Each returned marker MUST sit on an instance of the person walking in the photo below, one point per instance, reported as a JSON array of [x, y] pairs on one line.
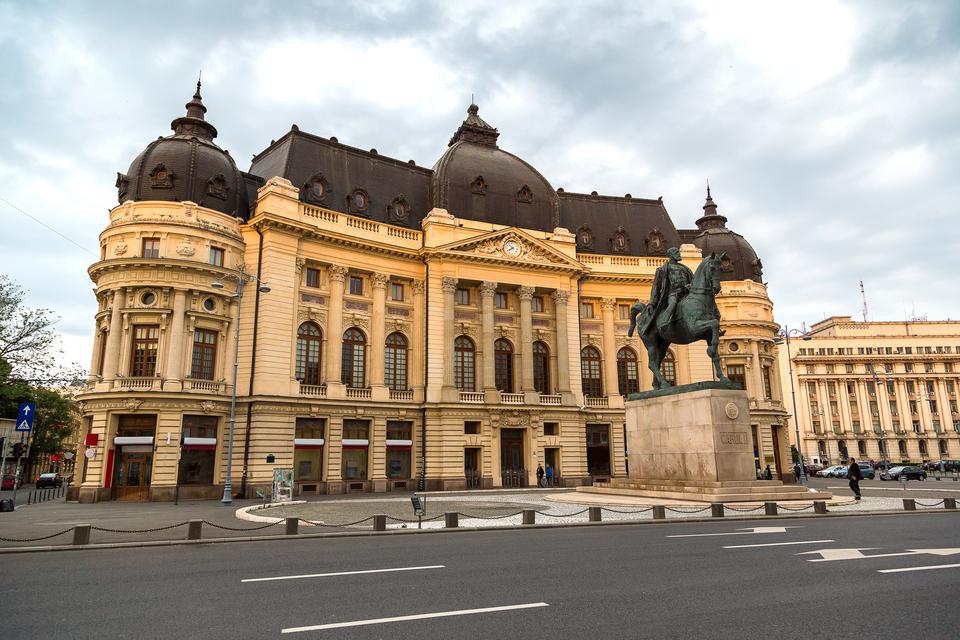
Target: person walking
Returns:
[[539, 475], [854, 476], [549, 476]]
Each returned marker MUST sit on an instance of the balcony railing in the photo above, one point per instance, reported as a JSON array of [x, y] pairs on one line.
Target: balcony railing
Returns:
[[511, 398], [474, 397], [405, 394], [359, 393], [315, 390], [551, 400], [137, 383], [210, 386], [598, 402]]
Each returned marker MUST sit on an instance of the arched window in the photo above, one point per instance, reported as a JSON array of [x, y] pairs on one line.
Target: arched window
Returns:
[[395, 362], [944, 448], [463, 358], [627, 371], [668, 367], [353, 358], [503, 365], [902, 444], [822, 448], [861, 448], [842, 448], [923, 448], [541, 368], [308, 353], [590, 372]]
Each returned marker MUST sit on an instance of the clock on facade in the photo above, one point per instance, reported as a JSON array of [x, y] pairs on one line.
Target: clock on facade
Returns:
[[512, 248]]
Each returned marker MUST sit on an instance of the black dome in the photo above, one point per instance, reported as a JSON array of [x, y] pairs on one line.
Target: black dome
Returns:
[[741, 261], [187, 166]]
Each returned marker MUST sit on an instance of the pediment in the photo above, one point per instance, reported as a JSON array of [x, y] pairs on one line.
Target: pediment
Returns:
[[510, 245]]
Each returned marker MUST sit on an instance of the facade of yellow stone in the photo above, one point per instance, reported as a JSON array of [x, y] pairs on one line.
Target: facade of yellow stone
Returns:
[[882, 391], [448, 350]]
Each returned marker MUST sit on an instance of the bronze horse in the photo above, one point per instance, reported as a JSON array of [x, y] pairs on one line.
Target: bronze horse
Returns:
[[696, 318]]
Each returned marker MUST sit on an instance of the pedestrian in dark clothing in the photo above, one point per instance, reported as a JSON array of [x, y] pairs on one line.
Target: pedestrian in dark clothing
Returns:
[[539, 475], [854, 476]]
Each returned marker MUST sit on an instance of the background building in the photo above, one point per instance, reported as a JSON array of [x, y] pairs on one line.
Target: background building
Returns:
[[877, 390], [450, 327]]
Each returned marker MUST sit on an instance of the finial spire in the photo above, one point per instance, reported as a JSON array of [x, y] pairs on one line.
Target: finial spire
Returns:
[[711, 219], [708, 189], [193, 123]]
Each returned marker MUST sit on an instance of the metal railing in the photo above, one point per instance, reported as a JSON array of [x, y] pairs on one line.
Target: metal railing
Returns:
[[513, 478]]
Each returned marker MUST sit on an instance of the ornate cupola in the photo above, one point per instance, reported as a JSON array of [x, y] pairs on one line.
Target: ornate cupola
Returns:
[[193, 124], [475, 129], [711, 219], [740, 261]]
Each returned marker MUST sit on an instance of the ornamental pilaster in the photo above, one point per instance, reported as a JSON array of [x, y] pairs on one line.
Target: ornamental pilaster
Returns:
[[525, 293], [487, 293], [607, 305]]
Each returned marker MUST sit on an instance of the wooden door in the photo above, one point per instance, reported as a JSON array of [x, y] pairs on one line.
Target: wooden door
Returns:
[[133, 476]]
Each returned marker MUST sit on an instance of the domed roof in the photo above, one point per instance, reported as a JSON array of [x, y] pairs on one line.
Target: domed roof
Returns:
[[476, 179], [187, 166], [741, 261]]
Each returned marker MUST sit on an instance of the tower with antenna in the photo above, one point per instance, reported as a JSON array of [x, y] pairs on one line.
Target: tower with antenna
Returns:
[[863, 296]]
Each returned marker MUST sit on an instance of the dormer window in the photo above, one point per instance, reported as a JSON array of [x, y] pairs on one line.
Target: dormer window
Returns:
[[479, 186], [398, 209], [620, 243], [316, 189], [217, 187], [584, 237], [161, 177], [358, 201], [525, 195]]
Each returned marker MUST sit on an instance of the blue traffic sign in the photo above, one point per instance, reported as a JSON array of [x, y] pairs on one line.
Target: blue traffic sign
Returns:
[[25, 416]]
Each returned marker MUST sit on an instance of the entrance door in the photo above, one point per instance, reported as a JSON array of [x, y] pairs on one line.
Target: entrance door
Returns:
[[776, 450], [598, 449], [471, 467], [133, 476], [511, 458]]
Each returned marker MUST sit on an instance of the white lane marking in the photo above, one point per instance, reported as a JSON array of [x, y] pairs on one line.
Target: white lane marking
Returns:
[[776, 544], [933, 566], [830, 555], [419, 616], [343, 573], [739, 532]]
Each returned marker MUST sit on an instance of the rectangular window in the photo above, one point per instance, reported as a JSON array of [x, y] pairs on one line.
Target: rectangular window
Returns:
[[356, 285], [551, 428], [354, 465], [308, 458], [767, 388], [398, 455], [216, 256], [204, 354], [738, 375], [948, 367], [143, 359], [586, 309], [928, 367], [313, 277], [197, 460], [537, 304], [623, 311], [463, 296], [829, 368], [500, 300], [849, 368], [310, 428], [151, 248], [356, 429], [911, 387], [891, 387], [908, 367], [399, 430], [396, 292], [471, 427], [832, 388]]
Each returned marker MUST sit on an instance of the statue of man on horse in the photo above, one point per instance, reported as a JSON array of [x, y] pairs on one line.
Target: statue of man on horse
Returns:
[[682, 310]]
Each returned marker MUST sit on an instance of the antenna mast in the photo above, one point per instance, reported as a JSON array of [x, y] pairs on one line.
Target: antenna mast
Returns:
[[863, 296]]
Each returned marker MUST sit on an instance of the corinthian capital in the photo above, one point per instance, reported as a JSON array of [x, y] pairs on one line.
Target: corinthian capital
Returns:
[[379, 280], [525, 292], [560, 296], [608, 304], [449, 284], [337, 273], [487, 289]]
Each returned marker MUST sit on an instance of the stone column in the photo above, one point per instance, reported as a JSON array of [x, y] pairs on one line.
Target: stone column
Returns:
[[415, 373], [449, 286], [757, 376], [377, 337], [560, 299], [608, 305], [111, 355], [175, 344], [334, 331], [526, 345], [488, 380]]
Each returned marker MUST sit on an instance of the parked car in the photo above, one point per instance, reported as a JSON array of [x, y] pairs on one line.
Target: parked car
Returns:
[[829, 471], [8, 481], [910, 473], [49, 480], [812, 469], [867, 470]]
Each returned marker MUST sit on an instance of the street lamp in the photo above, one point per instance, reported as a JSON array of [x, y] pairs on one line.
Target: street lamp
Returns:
[[785, 333], [241, 278]]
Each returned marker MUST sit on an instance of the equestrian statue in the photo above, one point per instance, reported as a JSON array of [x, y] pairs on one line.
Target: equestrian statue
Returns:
[[682, 310]]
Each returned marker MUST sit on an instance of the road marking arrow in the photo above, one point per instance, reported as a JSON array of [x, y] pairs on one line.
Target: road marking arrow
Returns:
[[738, 532], [831, 555]]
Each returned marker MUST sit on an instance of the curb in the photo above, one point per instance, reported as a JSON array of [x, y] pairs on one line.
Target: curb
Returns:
[[402, 532]]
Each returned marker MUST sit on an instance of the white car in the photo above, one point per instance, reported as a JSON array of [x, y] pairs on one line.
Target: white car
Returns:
[[829, 472]]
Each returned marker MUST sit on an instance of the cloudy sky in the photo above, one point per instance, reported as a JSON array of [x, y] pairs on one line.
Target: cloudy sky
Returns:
[[828, 130]]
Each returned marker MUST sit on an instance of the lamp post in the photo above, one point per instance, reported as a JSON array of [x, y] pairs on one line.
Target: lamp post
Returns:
[[241, 278], [785, 333]]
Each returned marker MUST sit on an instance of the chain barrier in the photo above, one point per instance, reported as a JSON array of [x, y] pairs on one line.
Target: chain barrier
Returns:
[[108, 530], [921, 504], [561, 515], [404, 520], [687, 510], [335, 526], [786, 508], [622, 511], [745, 510], [509, 515], [226, 528], [52, 535]]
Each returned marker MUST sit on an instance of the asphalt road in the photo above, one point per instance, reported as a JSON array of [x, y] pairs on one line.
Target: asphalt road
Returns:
[[877, 488], [630, 581]]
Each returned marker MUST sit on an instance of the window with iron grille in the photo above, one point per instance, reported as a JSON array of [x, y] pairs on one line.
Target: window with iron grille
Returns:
[[541, 368], [146, 342], [590, 372], [627, 380], [352, 358], [309, 341], [463, 359], [204, 354], [503, 365], [395, 362]]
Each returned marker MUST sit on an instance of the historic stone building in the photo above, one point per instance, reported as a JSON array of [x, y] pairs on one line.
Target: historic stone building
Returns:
[[877, 390], [400, 326]]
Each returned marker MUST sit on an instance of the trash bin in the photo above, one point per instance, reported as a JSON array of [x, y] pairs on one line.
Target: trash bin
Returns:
[[6, 504]]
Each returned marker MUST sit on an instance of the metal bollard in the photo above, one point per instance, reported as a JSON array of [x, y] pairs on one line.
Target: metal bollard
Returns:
[[194, 529], [819, 506], [451, 519], [949, 503], [81, 534], [770, 508], [292, 526], [595, 514], [529, 516], [716, 510], [659, 512], [909, 504], [380, 522]]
